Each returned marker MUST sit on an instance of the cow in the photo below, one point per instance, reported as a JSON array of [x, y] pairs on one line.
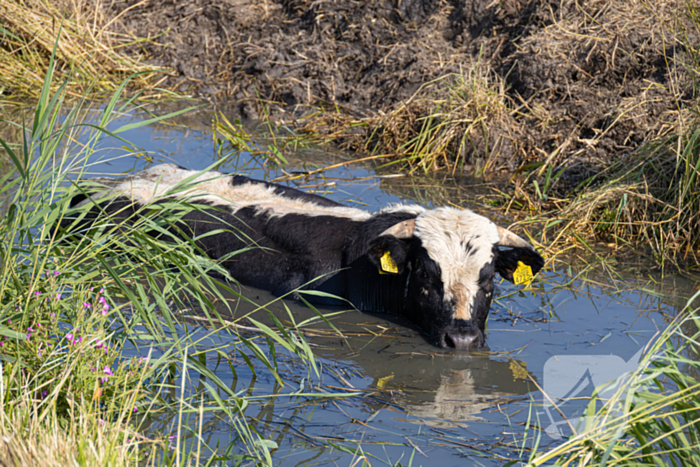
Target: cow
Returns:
[[435, 267]]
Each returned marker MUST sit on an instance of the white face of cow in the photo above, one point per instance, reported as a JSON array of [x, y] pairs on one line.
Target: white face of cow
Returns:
[[452, 256], [461, 243]]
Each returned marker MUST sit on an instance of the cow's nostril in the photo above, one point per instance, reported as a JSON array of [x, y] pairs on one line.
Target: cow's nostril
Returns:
[[463, 339]]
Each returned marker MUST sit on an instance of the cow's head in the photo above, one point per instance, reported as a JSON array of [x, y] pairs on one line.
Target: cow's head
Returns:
[[449, 258]]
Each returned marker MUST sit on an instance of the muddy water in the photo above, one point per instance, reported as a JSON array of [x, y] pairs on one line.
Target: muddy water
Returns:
[[564, 334]]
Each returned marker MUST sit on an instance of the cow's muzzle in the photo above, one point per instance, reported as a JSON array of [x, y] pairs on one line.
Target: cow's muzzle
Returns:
[[463, 339]]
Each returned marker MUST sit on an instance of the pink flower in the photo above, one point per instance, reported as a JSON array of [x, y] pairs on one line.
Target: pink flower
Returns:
[[70, 338], [30, 329], [86, 304], [37, 293], [108, 371], [58, 296], [56, 273]]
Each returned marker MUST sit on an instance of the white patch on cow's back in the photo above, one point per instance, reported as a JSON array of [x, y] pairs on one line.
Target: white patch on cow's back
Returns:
[[167, 181], [414, 209], [445, 233]]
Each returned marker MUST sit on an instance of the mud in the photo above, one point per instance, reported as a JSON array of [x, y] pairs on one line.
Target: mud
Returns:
[[583, 82]]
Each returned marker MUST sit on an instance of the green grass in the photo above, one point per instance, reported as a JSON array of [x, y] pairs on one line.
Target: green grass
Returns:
[[72, 299]]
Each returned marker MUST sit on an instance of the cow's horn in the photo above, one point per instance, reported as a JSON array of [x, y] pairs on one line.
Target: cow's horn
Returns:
[[401, 230], [508, 238]]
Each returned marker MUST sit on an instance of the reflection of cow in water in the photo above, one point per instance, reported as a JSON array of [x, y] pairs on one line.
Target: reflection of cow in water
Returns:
[[440, 389], [434, 266], [567, 377], [462, 394]]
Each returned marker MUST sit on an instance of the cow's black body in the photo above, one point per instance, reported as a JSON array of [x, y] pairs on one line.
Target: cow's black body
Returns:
[[333, 249]]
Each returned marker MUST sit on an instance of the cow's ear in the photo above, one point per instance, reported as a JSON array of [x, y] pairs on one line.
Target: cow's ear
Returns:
[[507, 261], [388, 254]]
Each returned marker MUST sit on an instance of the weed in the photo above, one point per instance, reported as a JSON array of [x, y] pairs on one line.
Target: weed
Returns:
[[651, 419], [74, 295]]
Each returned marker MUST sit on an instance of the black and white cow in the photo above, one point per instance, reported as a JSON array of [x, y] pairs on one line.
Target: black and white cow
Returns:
[[441, 262]]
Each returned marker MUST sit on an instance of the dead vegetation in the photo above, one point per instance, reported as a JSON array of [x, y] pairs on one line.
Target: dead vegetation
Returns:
[[85, 46], [488, 86], [582, 110]]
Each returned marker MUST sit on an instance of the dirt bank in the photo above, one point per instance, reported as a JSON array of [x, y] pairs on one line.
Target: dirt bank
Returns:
[[576, 83]]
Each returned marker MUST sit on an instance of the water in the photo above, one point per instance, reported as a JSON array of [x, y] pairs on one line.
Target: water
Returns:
[[562, 334]]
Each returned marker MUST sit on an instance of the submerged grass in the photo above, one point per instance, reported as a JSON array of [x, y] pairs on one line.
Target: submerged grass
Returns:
[[73, 300]]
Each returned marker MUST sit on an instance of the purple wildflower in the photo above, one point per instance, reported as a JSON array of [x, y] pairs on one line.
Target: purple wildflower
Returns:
[[56, 273], [37, 293], [58, 296], [86, 304], [70, 338], [108, 371]]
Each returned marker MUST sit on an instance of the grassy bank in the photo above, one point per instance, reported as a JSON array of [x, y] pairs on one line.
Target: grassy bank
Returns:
[[87, 49], [566, 197], [72, 301], [554, 172]]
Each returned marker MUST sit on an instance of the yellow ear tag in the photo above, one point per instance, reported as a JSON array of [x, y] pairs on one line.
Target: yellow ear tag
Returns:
[[522, 274], [388, 264]]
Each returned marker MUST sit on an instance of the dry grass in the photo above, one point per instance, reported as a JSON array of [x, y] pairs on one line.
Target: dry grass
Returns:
[[458, 121], [462, 121], [26, 440], [85, 47]]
